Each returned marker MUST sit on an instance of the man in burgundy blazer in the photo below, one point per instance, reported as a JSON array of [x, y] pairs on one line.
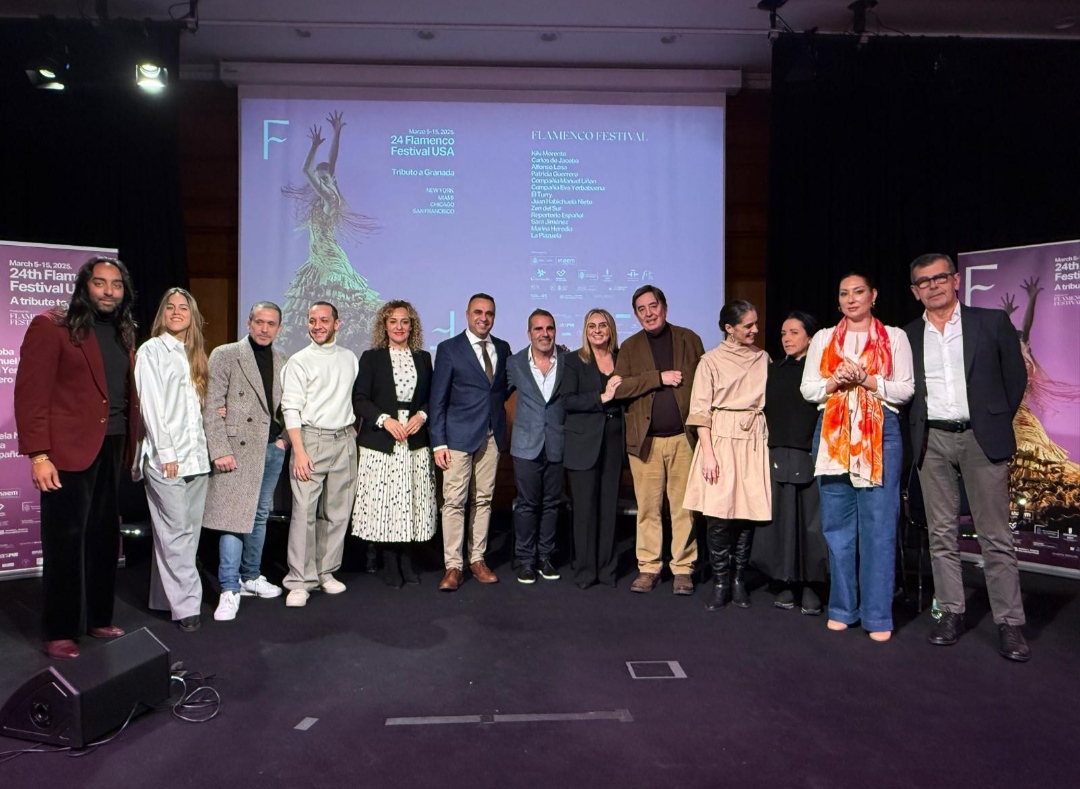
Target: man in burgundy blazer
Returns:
[[77, 414]]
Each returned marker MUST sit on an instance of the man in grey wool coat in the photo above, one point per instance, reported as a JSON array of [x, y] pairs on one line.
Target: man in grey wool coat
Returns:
[[247, 448]]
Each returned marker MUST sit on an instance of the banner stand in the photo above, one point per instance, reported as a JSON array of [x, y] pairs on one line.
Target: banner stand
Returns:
[[1039, 288], [39, 277]]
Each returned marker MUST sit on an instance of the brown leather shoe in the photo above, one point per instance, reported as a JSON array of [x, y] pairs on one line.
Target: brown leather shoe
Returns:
[[109, 631], [62, 649], [482, 573], [645, 582], [451, 581], [682, 584]]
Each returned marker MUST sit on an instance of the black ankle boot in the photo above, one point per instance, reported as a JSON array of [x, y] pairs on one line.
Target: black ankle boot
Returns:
[[408, 571], [391, 569], [739, 596], [721, 596], [718, 540]]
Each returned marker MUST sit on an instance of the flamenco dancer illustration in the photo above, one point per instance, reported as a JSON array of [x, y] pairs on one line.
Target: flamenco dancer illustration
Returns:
[[327, 275], [1041, 471]]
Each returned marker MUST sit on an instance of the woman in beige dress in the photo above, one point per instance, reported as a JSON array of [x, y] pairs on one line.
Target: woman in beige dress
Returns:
[[729, 476]]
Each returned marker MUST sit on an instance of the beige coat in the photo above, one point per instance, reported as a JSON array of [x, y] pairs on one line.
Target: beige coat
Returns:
[[235, 383], [728, 397]]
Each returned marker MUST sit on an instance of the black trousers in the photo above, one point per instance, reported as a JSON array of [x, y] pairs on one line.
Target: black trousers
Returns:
[[80, 545], [595, 492], [536, 511]]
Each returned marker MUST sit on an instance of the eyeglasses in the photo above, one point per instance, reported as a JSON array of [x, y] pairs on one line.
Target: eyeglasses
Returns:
[[922, 283]]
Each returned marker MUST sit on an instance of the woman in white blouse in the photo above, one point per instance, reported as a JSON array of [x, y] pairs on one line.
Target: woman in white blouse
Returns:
[[860, 372], [171, 375]]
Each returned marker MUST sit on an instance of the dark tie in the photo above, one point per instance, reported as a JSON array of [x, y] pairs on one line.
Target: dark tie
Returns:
[[489, 371]]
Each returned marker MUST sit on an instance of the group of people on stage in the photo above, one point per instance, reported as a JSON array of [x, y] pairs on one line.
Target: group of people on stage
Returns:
[[795, 465]]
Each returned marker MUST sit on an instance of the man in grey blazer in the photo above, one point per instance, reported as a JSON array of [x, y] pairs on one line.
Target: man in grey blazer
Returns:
[[536, 446], [969, 381], [247, 448]]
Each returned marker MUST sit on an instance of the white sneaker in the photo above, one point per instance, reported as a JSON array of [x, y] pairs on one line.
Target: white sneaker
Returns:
[[297, 598], [260, 587], [227, 606], [333, 586]]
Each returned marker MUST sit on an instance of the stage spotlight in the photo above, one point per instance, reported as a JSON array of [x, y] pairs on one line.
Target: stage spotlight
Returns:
[[48, 73], [151, 77]]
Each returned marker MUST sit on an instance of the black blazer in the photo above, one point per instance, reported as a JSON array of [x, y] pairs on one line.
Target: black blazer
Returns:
[[585, 416], [996, 380], [374, 394]]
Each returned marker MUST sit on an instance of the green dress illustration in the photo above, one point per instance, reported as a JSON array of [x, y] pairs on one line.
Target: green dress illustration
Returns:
[[327, 275]]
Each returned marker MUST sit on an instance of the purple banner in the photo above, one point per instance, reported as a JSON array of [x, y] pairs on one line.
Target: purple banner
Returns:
[[1039, 286], [40, 277]]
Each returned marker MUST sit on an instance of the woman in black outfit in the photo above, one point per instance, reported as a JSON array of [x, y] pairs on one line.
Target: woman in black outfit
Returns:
[[594, 450], [792, 550]]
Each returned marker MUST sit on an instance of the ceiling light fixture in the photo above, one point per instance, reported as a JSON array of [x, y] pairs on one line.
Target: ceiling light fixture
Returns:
[[858, 10], [48, 73], [151, 77], [772, 6]]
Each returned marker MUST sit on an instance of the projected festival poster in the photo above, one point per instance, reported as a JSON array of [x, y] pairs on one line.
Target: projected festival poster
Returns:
[[563, 207], [1039, 287], [39, 277]]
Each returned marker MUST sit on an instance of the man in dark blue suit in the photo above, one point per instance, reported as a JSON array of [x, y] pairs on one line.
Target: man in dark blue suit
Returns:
[[468, 431], [969, 380], [537, 448]]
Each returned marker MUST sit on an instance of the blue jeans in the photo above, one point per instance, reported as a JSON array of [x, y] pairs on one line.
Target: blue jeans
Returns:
[[860, 529], [241, 554]]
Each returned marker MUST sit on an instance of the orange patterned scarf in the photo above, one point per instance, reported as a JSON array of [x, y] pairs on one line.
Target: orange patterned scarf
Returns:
[[852, 425]]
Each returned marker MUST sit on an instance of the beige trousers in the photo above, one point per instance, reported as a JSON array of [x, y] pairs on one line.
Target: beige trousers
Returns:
[[321, 507], [665, 470], [469, 476]]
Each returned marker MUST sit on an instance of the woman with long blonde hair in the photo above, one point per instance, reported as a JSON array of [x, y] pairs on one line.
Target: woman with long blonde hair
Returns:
[[594, 448], [171, 375]]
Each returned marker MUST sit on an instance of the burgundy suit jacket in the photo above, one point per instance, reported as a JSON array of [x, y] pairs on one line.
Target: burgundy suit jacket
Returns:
[[62, 398]]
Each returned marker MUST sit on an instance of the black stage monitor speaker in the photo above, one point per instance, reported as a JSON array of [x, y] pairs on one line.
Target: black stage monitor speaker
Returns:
[[78, 702]]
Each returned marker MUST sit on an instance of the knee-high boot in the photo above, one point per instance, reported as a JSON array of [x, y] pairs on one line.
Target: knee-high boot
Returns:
[[718, 539], [408, 570], [741, 551], [391, 569]]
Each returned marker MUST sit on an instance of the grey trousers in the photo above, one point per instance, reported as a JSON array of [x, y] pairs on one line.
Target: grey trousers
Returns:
[[321, 507], [176, 510], [987, 484]]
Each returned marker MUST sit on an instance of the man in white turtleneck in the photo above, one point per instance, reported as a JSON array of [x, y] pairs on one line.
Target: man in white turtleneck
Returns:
[[316, 400]]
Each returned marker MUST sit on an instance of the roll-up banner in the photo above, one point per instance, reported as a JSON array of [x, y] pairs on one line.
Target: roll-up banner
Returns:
[[1039, 287], [39, 277]]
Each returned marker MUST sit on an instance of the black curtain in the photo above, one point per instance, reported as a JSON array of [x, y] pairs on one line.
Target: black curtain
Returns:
[[96, 164], [902, 146]]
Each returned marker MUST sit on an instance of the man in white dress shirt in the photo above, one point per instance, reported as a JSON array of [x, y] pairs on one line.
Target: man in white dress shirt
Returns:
[[536, 445], [969, 381], [468, 431], [316, 401]]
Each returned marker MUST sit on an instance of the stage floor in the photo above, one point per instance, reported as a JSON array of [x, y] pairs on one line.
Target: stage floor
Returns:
[[507, 685]]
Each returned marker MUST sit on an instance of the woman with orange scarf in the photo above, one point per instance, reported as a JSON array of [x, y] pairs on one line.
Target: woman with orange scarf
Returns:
[[860, 372]]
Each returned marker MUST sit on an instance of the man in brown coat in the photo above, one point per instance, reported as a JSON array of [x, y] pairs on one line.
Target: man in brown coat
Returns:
[[247, 448], [657, 369]]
